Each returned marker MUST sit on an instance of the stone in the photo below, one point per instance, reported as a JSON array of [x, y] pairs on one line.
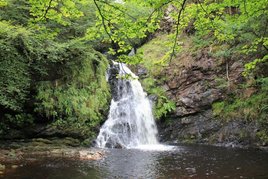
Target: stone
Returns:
[[186, 121], [2, 167], [89, 155], [42, 140], [141, 71], [14, 166]]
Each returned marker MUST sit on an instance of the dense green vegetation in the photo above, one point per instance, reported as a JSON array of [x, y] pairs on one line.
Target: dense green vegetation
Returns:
[[48, 73], [50, 69]]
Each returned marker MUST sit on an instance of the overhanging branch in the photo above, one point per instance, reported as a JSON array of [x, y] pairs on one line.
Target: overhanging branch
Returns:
[[177, 30], [103, 20]]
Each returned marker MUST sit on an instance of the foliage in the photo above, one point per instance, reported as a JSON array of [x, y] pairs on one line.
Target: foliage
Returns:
[[154, 59], [122, 24], [153, 54], [263, 136], [162, 105], [58, 11], [251, 66], [19, 120], [14, 71], [254, 107], [81, 94], [39, 64], [15, 11]]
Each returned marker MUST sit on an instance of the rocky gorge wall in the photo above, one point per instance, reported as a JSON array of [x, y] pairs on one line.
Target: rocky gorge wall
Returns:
[[195, 83], [203, 128], [194, 80]]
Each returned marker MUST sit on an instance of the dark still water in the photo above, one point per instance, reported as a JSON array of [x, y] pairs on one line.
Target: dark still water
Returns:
[[184, 162]]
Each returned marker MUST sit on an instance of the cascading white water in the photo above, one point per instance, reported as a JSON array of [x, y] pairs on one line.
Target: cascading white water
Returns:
[[130, 122]]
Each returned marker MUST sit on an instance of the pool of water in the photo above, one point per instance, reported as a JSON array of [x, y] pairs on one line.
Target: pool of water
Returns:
[[191, 161]]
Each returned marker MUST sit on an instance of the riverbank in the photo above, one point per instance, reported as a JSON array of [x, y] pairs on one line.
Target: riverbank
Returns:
[[16, 153]]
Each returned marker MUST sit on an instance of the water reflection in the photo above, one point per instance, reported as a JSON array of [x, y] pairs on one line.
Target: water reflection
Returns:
[[130, 163], [185, 162]]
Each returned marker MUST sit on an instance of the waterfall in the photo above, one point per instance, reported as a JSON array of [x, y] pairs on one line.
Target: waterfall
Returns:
[[130, 122]]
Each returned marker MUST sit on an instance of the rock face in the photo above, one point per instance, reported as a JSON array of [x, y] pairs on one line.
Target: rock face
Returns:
[[194, 82], [113, 81], [203, 128]]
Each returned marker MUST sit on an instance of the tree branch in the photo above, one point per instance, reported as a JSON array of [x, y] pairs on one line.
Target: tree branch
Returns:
[[245, 7], [117, 8], [47, 9], [177, 30], [155, 10], [103, 20]]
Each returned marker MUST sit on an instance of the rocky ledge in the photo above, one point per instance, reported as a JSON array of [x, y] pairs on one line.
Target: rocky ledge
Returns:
[[204, 128], [14, 153]]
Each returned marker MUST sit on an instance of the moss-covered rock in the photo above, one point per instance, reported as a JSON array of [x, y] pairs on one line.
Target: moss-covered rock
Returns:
[[2, 167]]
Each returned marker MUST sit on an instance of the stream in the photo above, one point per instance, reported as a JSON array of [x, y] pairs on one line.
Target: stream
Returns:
[[185, 161]]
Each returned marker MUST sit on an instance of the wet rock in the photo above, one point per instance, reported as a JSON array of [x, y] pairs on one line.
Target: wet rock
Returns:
[[14, 166], [203, 128], [42, 141], [71, 142], [118, 146], [89, 155], [32, 149], [81, 154], [113, 81], [2, 167], [11, 155], [141, 72]]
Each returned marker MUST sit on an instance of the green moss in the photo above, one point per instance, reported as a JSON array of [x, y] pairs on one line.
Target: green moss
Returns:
[[81, 96], [14, 71], [254, 107], [189, 139], [263, 137], [162, 105], [154, 54]]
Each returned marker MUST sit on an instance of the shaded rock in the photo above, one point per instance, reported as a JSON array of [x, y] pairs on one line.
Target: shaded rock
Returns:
[[2, 167], [42, 140], [193, 81], [10, 155], [203, 128], [32, 149], [71, 142], [141, 71]]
